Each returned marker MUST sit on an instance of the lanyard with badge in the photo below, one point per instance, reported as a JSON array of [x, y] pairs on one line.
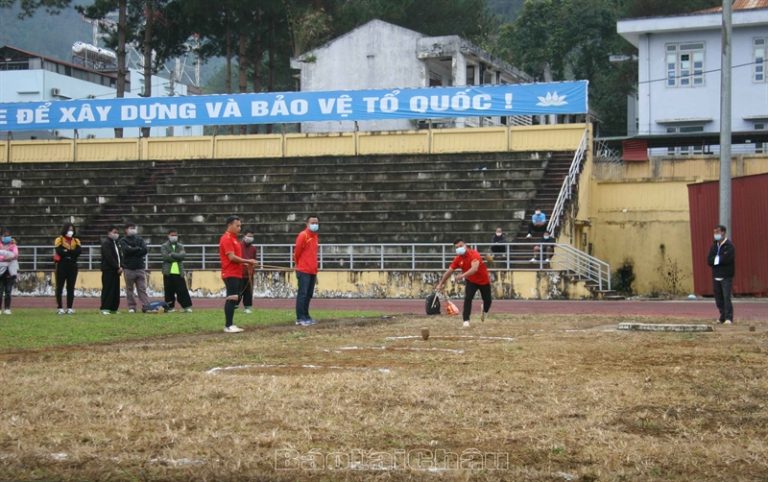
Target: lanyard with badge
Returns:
[[717, 256]]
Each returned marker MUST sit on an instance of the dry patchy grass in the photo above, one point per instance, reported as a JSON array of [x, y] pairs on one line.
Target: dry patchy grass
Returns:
[[568, 398]]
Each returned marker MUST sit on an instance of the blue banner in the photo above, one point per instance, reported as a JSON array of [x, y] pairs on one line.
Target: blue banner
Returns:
[[289, 107]]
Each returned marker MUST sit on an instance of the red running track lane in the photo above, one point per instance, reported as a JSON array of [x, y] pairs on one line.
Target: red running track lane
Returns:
[[745, 309]]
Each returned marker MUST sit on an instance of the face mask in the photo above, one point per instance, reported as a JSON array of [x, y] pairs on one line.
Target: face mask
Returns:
[[7, 240], [70, 233], [537, 212], [173, 239], [248, 240], [546, 237], [314, 227], [718, 237], [113, 236], [461, 250], [132, 232], [498, 233]]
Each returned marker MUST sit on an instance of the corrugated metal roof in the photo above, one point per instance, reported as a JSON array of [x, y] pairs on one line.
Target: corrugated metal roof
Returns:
[[740, 5]]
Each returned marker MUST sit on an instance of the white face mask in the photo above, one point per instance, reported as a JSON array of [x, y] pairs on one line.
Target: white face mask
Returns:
[[132, 232], [718, 237], [314, 227], [113, 236], [70, 233], [173, 239], [248, 240], [461, 250]]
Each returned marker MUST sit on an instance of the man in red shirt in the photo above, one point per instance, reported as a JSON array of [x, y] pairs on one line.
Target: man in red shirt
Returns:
[[305, 257], [475, 273], [230, 253]]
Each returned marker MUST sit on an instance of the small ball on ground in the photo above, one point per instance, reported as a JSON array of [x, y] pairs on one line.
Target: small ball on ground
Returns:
[[425, 334], [751, 327]]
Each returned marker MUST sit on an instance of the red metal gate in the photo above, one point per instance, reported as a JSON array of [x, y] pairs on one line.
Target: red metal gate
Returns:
[[749, 232]]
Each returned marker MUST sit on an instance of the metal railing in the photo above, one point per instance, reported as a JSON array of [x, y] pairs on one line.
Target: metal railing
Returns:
[[566, 191], [534, 255]]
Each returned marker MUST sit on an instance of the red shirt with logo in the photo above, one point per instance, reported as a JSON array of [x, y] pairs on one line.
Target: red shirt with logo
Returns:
[[305, 252], [465, 264], [228, 243]]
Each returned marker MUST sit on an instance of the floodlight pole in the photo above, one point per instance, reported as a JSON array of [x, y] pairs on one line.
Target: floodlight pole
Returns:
[[725, 119]]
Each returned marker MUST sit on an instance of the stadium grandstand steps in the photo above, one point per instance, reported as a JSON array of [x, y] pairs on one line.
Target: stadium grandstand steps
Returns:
[[377, 199]]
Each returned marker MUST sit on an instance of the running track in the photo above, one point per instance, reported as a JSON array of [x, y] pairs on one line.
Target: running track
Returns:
[[744, 309]]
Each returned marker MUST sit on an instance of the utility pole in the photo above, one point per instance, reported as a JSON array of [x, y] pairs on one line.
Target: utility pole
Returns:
[[725, 119]]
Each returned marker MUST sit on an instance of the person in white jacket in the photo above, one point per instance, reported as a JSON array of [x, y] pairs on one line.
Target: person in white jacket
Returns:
[[9, 268]]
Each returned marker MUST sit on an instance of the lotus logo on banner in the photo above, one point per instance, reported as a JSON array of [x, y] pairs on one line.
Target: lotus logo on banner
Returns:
[[293, 107], [552, 99]]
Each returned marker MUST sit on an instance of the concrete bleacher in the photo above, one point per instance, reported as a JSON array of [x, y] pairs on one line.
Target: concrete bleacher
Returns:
[[373, 199]]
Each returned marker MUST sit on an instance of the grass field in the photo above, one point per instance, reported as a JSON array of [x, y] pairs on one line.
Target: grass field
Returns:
[[546, 398]]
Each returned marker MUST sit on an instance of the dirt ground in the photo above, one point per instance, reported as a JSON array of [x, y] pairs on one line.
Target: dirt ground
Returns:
[[544, 397]]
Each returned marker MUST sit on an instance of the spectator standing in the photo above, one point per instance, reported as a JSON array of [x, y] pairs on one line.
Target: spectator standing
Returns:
[[67, 249], [305, 257], [249, 252], [231, 256], [475, 273], [134, 249], [9, 269], [722, 259], [174, 283], [538, 223], [111, 269]]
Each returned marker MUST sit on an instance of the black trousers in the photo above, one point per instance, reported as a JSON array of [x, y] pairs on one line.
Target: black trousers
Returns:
[[232, 286], [723, 290], [110, 290], [469, 295], [304, 295], [246, 288], [6, 288], [175, 287], [66, 274]]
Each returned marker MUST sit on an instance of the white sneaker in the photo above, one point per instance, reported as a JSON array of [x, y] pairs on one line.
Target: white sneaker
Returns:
[[60, 311], [6, 312], [533, 260], [70, 311], [465, 325], [546, 260], [728, 322], [171, 310], [528, 235], [187, 310], [248, 310], [131, 310], [106, 312], [233, 329]]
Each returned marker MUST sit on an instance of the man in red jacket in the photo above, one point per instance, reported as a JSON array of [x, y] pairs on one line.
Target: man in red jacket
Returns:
[[474, 273], [231, 256], [305, 257]]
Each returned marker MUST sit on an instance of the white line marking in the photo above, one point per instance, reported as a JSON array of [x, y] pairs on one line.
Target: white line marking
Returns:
[[503, 338], [396, 348], [215, 370]]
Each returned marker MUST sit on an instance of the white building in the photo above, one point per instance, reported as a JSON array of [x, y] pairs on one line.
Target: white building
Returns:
[[29, 77], [679, 59], [380, 55]]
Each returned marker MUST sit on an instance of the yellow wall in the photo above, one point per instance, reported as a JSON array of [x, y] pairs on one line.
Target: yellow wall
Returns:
[[639, 212], [436, 141], [369, 284], [3, 151]]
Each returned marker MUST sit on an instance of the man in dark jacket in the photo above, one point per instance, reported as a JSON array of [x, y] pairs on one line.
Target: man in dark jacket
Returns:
[[111, 269], [722, 259], [134, 249], [174, 283]]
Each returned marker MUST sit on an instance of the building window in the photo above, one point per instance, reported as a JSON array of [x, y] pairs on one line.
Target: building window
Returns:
[[685, 64], [759, 46], [687, 150], [761, 147]]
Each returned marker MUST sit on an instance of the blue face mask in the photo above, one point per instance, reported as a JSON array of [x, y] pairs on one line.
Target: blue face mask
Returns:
[[7, 239], [718, 237], [461, 250], [314, 227]]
